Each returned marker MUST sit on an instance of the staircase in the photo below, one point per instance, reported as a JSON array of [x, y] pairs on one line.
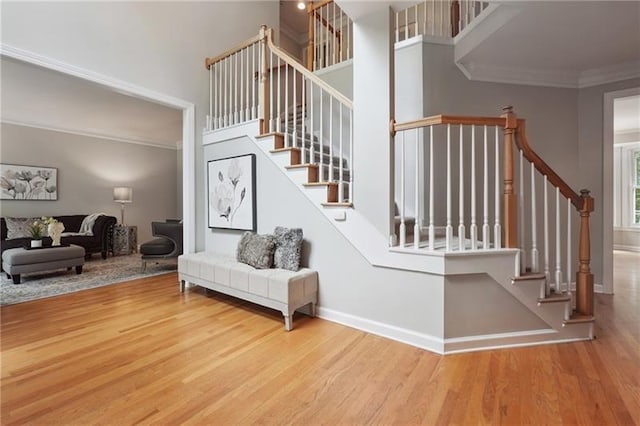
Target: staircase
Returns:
[[305, 127]]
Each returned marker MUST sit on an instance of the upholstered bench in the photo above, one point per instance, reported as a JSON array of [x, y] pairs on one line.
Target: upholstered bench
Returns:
[[278, 289], [18, 261]]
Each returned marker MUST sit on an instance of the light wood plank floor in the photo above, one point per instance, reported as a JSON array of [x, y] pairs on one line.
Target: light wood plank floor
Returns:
[[140, 352]]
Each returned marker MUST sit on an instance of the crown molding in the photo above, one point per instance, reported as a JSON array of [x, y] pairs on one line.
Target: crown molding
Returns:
[[104, 80], [609, 74], [527, 76], [96, 135]]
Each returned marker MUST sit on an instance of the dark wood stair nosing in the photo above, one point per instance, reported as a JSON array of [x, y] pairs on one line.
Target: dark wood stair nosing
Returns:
[[338, 204]]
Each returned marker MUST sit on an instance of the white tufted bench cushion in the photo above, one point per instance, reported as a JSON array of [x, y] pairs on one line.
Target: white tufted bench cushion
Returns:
[[278, 289]]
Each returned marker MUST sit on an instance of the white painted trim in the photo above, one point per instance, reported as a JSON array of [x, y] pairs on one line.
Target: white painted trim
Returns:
[[232, 132], [409, 337], [521, 76], [188, 123], [607, 182], [623, 247], [504, 341], [334, 67], [110, 138], [609, 74], [419, 39]]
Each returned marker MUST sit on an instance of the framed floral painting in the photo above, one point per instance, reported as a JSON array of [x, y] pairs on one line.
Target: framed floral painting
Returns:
[[28, 183], [231, 188]]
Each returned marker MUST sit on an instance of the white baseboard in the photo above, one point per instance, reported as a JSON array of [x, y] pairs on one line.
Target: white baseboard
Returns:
[[505, 340], [420, 340]]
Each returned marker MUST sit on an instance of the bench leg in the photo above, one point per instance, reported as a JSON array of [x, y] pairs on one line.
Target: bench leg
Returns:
[[313, 310], [16, 278], [182, 286], [287, 321], [79, 269]]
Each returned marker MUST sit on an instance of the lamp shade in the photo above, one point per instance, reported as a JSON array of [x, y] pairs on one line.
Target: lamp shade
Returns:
[[122, 194]]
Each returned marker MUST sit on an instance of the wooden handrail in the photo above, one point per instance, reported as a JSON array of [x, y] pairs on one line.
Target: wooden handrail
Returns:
[[210, 61], [305, 72], [446, 119], [318, 5], [544, 168]]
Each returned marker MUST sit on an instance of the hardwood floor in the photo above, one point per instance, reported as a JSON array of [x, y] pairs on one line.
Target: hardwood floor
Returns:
[[140, 352]]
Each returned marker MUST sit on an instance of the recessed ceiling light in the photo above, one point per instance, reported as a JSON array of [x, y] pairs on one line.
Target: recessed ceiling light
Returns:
[[301, 5]]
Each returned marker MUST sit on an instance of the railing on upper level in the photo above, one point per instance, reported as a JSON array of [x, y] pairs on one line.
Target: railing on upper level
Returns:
[[330, 35], [259, 81], [461, 170], [437, 18]]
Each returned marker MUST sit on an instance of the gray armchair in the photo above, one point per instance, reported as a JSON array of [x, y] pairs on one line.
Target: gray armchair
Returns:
[[167, 244]]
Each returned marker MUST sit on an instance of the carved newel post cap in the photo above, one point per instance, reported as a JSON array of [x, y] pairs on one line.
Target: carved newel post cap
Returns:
[[507, 108], [584, 192]]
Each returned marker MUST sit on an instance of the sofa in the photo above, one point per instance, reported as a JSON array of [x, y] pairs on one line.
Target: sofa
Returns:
[[99, 242]]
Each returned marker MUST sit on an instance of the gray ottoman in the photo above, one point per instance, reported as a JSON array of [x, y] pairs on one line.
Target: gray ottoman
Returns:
[[18, 260]]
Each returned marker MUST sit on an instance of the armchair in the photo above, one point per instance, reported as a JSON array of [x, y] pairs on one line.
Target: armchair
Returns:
[[167, 244]]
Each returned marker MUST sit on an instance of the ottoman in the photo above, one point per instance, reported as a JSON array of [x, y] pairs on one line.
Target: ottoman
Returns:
[[19, 260]]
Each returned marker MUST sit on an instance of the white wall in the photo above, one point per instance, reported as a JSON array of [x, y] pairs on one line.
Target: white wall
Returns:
[[349, 285], [88, 169], [157, 45]]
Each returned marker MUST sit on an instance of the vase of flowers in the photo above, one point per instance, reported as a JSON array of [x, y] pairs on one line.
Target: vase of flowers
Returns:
[[36, 229], [54, 228]]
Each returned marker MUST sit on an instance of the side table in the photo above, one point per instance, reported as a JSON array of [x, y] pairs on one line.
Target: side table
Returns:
[[125, 240]]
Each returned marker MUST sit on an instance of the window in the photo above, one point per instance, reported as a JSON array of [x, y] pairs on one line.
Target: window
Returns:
[[626, 185]]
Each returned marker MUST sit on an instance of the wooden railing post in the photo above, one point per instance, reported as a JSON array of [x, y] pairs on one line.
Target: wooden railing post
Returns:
[[455, 18], [263, 95], [311, 47], [509, 204], [584, 277]]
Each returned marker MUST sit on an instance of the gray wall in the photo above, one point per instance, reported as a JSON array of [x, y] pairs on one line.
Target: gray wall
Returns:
[[88, 169], [157, 45]]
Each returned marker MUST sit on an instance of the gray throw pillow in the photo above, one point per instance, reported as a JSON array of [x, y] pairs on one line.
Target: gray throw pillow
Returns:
[[18, 227], [256, 250], [288, 248]]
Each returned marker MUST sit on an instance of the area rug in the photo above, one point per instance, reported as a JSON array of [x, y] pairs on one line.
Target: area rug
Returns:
[[95, 273]]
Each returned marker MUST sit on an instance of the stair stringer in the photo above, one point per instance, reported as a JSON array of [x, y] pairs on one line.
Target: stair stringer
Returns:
[[503, 270]]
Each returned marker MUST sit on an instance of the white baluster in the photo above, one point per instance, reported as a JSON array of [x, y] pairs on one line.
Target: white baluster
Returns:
[[220, 94], [279, 94], [249, 84], [403, 228], [241, 82], [473, 230], [406, 24], [449, 228], [569, 260], [321, 139], [424, 24], [235, 88], [303, 119], [331, 163], [497, 230], [558, 251], [415, 31], [341, 35], [546, 239], [311, 141], [255, 83], [286, 104], [341, 161], [210, 117], [227, 98], [350, 155], [534, 233], [397, 27], [486, 229], [294, 99], [416, 196], [432, 228], [461, 228], [522, 234], [272, 93]]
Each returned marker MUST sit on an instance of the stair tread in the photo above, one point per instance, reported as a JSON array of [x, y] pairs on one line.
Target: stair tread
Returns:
[[301, 166], [579, 319], [337, 204], [267, 135], [320, 184], [529, 277], [555, 297], [287, 149]]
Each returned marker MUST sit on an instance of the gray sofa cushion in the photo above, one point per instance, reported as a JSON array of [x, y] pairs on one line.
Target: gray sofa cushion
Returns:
[[288, 248], [256, 250]]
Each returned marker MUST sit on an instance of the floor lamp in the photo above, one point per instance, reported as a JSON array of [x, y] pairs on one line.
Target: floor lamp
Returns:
[[122, 195]]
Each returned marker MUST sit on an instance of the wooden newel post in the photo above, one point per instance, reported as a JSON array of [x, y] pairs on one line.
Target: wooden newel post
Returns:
[[584, 277], [311, 47], [455, 18], [263, 93], [509, 200]]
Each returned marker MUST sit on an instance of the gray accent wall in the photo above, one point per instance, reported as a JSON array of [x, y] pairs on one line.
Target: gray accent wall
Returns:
[[88, 169]]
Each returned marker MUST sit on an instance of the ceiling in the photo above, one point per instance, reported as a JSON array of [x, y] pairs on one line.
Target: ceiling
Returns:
[[39, 97], [553, 43]]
